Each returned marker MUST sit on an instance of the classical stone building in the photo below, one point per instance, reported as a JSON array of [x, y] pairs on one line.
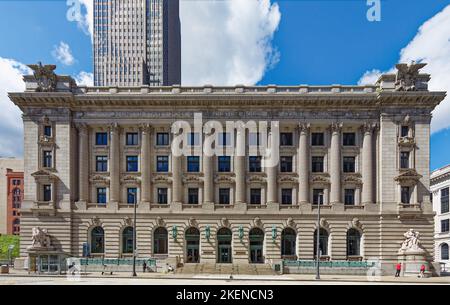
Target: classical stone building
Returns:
[[362, 151], [440, 186]]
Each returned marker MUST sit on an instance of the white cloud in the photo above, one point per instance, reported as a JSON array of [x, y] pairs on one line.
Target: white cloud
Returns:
[[370, 77], [84, 79], [227, 42], [11, 128], [82, 12], [431, 45], [63, 54]]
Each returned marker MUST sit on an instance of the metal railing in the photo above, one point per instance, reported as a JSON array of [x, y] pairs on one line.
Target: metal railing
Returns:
[[111, 265], [329, 264]]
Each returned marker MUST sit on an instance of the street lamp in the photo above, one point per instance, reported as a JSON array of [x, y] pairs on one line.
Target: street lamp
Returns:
[[320, 199], [134, 233]]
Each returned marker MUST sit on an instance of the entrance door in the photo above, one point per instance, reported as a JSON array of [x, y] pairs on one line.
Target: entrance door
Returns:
[[225, 254], [224, 237], [256, 236], [192, 245]]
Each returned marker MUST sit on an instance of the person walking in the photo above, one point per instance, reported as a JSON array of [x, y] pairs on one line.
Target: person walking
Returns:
[[144, 267], [398, 269], [422, 271]]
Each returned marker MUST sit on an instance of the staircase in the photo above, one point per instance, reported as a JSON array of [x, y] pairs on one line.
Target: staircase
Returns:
[[226, 269]]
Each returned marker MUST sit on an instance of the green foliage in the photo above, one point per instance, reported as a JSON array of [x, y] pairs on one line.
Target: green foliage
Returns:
[[5, 242]]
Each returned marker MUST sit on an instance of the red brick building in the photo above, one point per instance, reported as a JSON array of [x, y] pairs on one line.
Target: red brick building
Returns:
[[14, 201]]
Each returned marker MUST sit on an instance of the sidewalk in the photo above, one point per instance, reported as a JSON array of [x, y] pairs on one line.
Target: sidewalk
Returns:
[[285, 277]]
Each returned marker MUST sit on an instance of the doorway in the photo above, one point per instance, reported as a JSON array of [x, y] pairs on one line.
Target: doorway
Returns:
[[192, 246], [256, 237], [224, 237]]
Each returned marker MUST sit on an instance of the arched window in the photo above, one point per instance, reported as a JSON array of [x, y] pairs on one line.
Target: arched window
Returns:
[[323, 242], [127, 240], [444, 252], [160, 241], [288, 238], [97, 240], [353, 242]]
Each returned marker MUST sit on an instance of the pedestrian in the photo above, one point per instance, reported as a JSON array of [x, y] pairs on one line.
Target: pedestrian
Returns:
[[144, 267], [422, 271], [398, 269]]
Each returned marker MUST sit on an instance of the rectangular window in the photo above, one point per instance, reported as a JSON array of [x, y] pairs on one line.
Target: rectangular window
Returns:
[[404, 159], [286, 196], [254, 164], [404, 132], [47, 130], [132, 138], [405, 195], [193, 195], [162, 139], [162, 164], [444, 226], [47, 161], [101, 195], [193, 139], [286, 164], [131, 195], [47, 188], [317, 196], [286, 139], [317, 139], [162, 195], [444, 200], [193, 164], [349, 138], [349, 165], [224, 196], [101, 138], [254, 139], [224, 139], [132, 163], [255, 196], [224, 164], [101, 163], [349, 197], [317, 164]]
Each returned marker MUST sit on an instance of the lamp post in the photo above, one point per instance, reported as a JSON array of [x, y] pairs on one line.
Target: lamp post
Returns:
[[134, 234], [318, 237]]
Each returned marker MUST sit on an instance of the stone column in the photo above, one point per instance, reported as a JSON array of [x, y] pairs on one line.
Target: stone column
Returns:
[[83, 159], [272, 172], [146, 163], [177, 176], [367, 164], [239, 166], [114, 164], [303, 163], [335, 163]]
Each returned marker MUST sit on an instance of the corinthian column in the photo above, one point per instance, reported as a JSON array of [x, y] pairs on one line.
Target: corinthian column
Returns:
[[208, 172], [239, 165], [272, 169], [335, 163], [177, 183], [83, 159], [367, 164], [114, 167], [303, 164], [146, 161]]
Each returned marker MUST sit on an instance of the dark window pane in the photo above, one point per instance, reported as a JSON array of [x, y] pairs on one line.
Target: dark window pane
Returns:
[[255, 196], [405, 195], [317, 165], [224, 164], [349, 165], [101, 164], [193, 164], [193, 139], [101, 195], [193, 196], [318, 196], [445, 200], [286, 196], [101, 138], [162, 164], [349, 197], [127, 240], [47, 161], [444, 226], [162, 195], [286, 164], [132, 163], [444, 252], [132, 138], [404, 159], [404, 131], [286, 139], [317, 139], [47, 192], [254, 164], [48, 131], [131, 195], [162, 139], [224, 196], [254, 139], [349, 139]]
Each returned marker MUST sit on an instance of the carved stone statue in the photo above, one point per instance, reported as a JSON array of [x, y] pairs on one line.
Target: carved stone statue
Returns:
[[45, 77], [411, 242], [407, 76], [40, 239]]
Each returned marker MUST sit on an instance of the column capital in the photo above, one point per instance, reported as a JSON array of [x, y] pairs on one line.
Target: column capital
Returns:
[[82, 128], [304, 127], [146, 128], [369, 127], [336, 126], [114, 127]]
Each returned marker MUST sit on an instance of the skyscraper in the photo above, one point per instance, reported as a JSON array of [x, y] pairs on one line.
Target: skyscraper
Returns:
[[137, 42]]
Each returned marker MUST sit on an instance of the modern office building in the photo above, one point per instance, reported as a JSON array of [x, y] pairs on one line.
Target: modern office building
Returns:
[[440, 186], [360, 152], [137, 42], [11, 194]]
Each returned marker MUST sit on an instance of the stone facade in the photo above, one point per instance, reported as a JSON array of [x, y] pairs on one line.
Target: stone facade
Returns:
[[379, 192], [440, 186]]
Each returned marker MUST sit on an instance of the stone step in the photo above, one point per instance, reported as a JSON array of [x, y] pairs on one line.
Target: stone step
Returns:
[[226, 269]]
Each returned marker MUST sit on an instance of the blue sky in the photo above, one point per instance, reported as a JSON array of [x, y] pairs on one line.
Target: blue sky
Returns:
[[311, 42]]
